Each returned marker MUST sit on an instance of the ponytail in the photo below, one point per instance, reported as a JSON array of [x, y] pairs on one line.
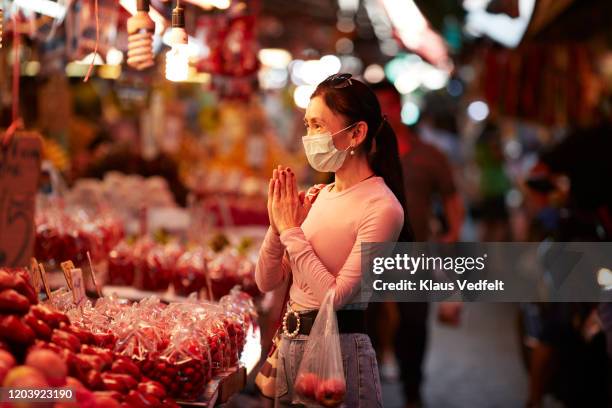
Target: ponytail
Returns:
[[356, 101], [385, 162]]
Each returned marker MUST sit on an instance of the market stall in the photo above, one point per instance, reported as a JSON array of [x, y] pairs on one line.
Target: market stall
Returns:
[[138, 139]]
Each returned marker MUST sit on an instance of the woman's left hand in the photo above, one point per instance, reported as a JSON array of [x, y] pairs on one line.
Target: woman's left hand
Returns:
[[287, 210]]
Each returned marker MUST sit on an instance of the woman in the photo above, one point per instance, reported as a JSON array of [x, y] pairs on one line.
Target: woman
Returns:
[[347, 135]]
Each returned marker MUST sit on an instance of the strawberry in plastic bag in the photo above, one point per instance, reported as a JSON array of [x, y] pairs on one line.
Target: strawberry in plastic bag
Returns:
[[183, 367], [320, 379], [190, 273], [121, 265]]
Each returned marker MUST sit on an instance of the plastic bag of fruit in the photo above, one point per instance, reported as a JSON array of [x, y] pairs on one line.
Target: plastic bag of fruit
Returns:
[[184, 366], [155, 269], [320, 378], [241, 302], [190, 273], [210, 325], [223, 272], [121, 264]]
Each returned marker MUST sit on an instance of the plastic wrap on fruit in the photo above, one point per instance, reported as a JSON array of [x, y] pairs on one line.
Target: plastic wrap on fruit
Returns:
[[184, 366], [76, 244], [223, 272], [61, 300], [246, 275], [47, 245], [137, 339], [155, 269], [320, 377], [190, 273], [241, 302], [121, 265], [89, 318], [137, 331], [237, 331], [110, 306], [212, 329]]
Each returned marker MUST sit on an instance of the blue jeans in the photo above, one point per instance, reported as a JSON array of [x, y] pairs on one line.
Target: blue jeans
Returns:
[[360, 370]]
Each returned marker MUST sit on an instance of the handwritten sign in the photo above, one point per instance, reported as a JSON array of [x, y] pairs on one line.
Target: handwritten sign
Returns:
[[78, 286], [19, 174]]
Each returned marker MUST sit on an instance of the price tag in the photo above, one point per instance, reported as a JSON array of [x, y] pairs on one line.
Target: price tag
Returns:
[[78, 286], [35, 275], [43, 276], [67, 266], [19, 174]]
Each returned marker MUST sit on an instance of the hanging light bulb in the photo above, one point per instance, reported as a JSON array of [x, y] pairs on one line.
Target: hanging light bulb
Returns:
[[177, 59], [140, 30]]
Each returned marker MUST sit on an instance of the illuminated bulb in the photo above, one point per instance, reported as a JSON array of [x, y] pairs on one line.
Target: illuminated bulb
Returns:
[[604, 277], [374, 73], [140, 30], [301, 95], [177, 59], [478, 110]]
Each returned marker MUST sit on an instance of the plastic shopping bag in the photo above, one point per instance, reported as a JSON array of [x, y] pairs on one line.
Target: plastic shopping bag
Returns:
[[320, 379]]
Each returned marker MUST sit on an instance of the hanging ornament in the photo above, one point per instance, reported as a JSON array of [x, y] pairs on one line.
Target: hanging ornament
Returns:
[[140, 30], [177, 59]]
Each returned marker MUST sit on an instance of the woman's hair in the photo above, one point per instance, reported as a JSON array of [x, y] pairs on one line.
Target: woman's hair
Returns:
[[356, 101]]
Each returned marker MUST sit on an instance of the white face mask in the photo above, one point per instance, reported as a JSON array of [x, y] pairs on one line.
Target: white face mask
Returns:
[[322, 153]]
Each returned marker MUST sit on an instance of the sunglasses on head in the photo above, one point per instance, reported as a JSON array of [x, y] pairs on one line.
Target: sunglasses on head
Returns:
[[339, 80]]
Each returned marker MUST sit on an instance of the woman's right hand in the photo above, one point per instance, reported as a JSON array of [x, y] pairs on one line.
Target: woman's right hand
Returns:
[[275, 174]]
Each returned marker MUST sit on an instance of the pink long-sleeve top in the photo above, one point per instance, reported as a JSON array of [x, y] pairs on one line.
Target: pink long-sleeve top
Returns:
[[325, 252]]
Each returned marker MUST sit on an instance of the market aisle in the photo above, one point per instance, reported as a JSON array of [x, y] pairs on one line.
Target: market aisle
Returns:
[[475, 365]]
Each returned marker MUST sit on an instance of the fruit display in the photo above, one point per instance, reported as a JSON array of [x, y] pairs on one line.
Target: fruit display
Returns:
[[116, 353], [152, 266], [64, 234], [72, 232]]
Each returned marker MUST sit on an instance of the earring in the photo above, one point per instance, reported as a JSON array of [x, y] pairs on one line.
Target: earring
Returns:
[[352, 152]]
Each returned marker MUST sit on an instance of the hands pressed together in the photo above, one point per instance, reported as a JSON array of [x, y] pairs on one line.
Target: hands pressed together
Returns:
[[286, 207]]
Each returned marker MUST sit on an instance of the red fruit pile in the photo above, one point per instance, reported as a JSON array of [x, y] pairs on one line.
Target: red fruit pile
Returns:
[[61, 235], [56, 353], [190, 273], [184, 368], [151, 266]]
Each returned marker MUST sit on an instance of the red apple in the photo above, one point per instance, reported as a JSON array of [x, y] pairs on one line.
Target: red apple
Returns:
[[306, 385], [7, 359], [25, 377], [4, 369], [152, 387], [84, 397], [125, 365], [105, 401], [93, 380], [67, 340], [136, 399], [50, 364], [117, 396], [330, 393]]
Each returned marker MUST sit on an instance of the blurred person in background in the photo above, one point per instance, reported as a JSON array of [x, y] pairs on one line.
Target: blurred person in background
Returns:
[[494, 184], [428, 179], [570, 201]]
